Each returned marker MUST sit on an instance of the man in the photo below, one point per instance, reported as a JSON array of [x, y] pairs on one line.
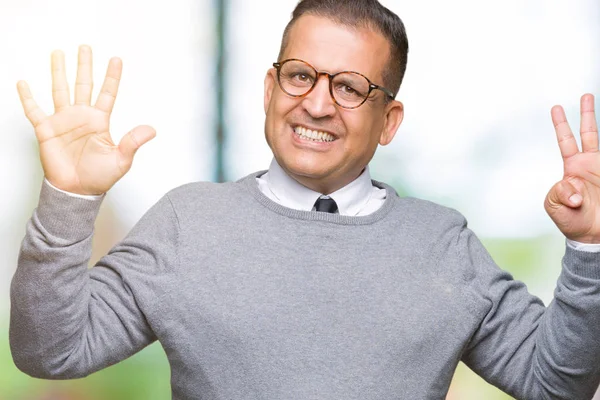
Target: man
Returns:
[[253, 294]]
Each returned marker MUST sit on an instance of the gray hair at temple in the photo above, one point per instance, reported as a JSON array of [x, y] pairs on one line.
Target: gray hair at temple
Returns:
[[368, 14]]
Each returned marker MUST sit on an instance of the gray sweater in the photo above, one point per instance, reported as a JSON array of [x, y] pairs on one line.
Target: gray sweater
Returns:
[[252, 300]]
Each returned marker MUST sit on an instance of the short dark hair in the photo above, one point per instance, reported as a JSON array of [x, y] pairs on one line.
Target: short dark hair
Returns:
[[361, 14]]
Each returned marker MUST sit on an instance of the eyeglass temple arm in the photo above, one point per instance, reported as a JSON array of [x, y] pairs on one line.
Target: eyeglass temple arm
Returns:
[[384, 90]]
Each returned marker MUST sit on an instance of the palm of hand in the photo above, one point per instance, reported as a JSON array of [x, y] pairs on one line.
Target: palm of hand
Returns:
[[574, 202], [80, 134], [76, 148]]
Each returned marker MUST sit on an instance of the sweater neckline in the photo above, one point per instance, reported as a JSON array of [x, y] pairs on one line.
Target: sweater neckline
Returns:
[[250, 183]]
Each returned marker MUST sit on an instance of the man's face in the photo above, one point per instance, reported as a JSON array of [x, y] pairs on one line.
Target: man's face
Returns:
[[326, 166]]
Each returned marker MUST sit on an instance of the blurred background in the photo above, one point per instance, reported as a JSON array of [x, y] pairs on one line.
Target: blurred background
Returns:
[[477, 136]]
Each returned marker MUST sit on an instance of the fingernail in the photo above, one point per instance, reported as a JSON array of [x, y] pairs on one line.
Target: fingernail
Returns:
[[576, 199]]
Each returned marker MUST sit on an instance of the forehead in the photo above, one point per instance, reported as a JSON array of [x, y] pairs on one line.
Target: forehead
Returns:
[[332, 47]]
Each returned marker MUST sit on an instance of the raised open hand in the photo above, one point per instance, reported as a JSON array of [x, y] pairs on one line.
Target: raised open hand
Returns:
[[76, 149], [574, 202]]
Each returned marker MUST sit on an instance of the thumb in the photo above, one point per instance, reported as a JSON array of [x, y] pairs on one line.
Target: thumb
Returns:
[[132, 141], [563, 194]]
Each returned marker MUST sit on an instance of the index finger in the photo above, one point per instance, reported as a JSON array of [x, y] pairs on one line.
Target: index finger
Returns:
[[110, 87], [589, 128], [564, 135]]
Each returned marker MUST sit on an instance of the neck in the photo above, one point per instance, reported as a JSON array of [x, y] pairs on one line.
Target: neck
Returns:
[[324, 186]]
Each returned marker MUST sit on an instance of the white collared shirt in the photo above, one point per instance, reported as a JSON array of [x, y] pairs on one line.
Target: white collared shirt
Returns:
[[358, 198]]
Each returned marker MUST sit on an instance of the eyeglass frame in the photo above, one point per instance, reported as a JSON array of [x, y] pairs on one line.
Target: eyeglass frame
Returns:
[[372, 86]]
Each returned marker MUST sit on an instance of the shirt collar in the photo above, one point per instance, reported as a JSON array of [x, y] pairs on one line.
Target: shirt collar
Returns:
[[350, 199]]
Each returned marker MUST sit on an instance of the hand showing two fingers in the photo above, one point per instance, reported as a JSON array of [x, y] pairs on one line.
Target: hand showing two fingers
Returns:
[[574, 202], [76, 148]]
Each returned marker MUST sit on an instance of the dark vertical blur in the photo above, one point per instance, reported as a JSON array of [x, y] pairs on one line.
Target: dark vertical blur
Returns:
[[220, 174]]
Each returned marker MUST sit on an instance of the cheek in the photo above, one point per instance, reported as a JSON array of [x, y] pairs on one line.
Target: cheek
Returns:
[[361, 126], [364, 131], [281, 105], [274, 116], [276, 127]]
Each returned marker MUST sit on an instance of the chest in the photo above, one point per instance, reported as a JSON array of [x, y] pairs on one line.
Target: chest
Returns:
[[298, 311]]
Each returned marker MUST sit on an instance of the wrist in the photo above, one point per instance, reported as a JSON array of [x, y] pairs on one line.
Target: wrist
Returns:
[[81, 196], [67, 216], [580, 246]]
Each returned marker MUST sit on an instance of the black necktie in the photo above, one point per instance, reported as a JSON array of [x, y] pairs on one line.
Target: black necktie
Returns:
[[326, 204]]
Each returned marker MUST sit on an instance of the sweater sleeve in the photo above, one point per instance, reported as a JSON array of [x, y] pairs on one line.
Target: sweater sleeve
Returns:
[[526, 349], [68, 320]]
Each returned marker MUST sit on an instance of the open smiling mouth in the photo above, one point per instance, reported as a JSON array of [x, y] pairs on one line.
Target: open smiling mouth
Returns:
[[315, 136]]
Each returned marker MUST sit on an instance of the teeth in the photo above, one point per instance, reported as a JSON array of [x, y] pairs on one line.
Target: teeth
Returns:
[[316, 136]]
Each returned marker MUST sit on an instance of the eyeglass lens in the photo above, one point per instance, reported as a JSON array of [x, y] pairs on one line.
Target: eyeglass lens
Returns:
[[349, 89]]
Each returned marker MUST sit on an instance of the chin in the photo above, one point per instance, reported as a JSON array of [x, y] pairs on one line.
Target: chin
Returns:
[[302, 169], [308, 164]]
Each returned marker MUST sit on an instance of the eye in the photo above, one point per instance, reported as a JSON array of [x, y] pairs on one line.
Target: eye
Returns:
[[302, 77], [348, 89]]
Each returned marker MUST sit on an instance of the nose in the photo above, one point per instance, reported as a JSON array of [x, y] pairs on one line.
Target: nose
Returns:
[[318, 103]]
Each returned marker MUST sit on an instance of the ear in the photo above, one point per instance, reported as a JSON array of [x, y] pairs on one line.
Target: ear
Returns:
[[394, 114], [269, 87]]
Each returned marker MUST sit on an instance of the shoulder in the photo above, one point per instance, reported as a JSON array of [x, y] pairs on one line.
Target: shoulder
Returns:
[[424, 227], [428, 212], [211, 189], [199, 196], [201, 192], [439, 240], [194, 189], [419, 211]]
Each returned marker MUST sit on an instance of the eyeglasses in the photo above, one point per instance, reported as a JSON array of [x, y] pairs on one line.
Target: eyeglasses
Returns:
[[348, 89]]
